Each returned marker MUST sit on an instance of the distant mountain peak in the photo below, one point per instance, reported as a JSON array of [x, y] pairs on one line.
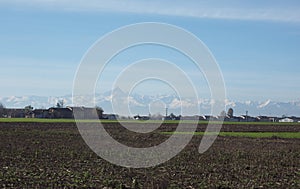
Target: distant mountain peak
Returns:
[[115, 92], [139, 103], [264, 104]]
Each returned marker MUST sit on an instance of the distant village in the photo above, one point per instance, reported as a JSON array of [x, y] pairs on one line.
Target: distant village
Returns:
[[61, 112]]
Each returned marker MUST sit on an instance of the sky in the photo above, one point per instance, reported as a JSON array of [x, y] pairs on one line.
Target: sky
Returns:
[[256, 44]]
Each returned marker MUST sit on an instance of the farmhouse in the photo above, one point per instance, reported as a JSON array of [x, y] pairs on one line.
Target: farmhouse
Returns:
[[138, 117], [172, 117], [211, 118], [232, 118], [265, 119], [40, 113], [193, 118], [15, 113], [110, 116], [81, 113], [86, 113], [246, 118], [296, 119], [286, 120], [55, 113]]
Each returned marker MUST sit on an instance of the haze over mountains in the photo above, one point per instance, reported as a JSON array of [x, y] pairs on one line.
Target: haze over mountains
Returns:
[[145, 104]]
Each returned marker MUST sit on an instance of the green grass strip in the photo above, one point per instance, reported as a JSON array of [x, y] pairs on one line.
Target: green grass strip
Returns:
[[245, 134]]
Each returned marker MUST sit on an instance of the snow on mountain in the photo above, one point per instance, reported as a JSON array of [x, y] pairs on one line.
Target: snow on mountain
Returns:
[[230, 103], [248, 102], [35, 101], [264, 104], [140, 104]]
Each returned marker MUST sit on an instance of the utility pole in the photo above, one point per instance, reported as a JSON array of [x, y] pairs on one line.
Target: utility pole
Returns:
[[246, 115], [166, 111]]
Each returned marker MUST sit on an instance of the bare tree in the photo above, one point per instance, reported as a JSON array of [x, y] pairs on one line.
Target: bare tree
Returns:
[[2, 110], [60, 104], [230, 112], [28, 111], [99, 111], [223, 114]]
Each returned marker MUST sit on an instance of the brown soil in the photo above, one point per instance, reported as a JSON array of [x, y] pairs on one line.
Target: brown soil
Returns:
[[39, 155]]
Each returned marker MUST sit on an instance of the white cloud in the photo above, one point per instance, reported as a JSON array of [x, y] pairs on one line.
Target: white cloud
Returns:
[[199, 9]]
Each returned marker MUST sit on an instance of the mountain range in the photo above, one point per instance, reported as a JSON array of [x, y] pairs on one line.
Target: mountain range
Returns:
[[145, 104]]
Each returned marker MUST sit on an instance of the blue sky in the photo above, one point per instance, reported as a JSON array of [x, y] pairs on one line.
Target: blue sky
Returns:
[[256, 43]]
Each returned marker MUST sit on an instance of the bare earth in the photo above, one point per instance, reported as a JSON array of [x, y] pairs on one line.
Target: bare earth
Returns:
[[39, 155]]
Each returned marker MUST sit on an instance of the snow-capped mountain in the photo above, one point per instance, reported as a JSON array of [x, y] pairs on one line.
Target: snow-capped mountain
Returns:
[[114, 101]]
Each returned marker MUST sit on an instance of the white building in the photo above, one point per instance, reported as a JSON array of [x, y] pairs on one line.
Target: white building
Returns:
[[286, 120]]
